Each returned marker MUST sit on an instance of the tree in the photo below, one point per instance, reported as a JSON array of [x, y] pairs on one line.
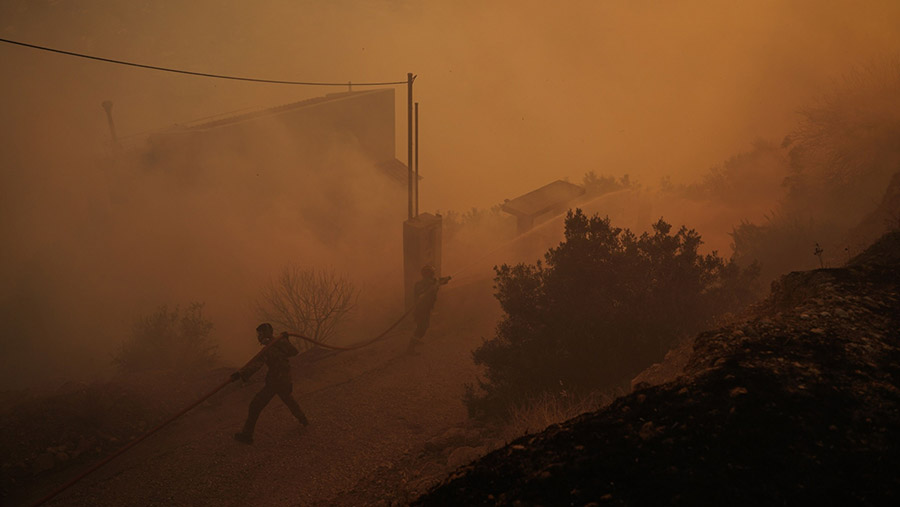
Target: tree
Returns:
[[847, 145], [598, 185], [311, 302], [840, 159], [601, 307], [169, 339]]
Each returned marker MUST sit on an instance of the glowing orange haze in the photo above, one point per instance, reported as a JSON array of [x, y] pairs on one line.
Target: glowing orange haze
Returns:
[[513, 95]]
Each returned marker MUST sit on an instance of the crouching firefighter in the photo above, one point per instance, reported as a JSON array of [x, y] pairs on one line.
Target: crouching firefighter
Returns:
[[278, 379], [425, 291]]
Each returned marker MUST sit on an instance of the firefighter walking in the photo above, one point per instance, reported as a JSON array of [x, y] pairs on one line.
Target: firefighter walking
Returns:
[[425, 292], [278, 380]]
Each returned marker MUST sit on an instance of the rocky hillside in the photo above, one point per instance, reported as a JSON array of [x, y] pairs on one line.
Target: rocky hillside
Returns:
[[798, 403]]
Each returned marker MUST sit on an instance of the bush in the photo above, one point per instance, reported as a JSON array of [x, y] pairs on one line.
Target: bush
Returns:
[[840, 159], [598, 185], [847, 145], [744, 179], [781, 245], [173, 340], [605, 305], [536, 414], [311, 302]]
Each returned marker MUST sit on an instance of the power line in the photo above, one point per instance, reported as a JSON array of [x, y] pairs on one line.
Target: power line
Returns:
[[191, 73]]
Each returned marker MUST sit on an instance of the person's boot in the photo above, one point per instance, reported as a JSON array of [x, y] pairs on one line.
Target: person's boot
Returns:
[[304, 422], [244, 438]]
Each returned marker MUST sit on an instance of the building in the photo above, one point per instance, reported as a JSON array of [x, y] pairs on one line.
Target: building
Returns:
[[335, 152], [552, 198], [363, 120]]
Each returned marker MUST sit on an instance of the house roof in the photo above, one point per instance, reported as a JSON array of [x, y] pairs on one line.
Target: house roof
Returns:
[[543, 199], [237, 118], [395, 170]]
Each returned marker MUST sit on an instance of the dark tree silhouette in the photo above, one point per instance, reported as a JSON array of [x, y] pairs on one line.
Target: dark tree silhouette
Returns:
[[602, 306]]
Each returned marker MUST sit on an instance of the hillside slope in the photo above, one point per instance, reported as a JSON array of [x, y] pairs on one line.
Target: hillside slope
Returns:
[[797, 404]]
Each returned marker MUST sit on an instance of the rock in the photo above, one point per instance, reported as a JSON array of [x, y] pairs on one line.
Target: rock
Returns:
[[737, 391], [637, 385], [647, 431]]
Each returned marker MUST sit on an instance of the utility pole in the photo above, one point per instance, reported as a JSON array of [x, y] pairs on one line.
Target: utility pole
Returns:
[[417, 159], [409, 138], [421, 233]]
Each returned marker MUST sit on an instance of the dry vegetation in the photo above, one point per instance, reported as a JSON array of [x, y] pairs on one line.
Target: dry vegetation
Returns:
[[549, 408], [830, 171], [176, 340], [311, 302]]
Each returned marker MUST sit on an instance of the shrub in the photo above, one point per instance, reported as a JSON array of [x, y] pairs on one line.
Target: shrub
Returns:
[[169, 339], [535, 414], [840, 160], [781, 245], [604, 305], [311, 302], [846, 147], [744, 179], [598, 185]]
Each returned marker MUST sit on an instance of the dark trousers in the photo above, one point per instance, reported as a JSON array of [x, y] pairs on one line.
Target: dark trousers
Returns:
[[263, 398], [422, 320]]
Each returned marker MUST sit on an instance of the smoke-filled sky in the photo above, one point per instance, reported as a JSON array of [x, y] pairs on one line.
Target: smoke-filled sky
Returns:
[[513, 95]]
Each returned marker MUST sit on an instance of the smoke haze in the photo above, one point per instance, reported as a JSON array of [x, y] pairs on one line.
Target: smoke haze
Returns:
[[513, 95]]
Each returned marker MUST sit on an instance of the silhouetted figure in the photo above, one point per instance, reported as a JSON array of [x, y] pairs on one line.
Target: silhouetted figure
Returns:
[[278, 380], [425, 291]]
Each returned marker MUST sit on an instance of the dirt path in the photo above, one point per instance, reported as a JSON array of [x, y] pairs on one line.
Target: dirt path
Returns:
[[370, 410]]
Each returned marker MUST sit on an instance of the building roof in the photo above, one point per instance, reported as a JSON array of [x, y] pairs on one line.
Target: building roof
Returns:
[[543, 199], [395, 170], [238, 118]]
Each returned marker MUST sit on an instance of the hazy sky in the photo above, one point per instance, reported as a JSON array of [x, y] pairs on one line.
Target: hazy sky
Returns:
[[512, 94]]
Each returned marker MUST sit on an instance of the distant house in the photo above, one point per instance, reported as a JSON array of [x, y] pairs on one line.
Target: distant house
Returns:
[[364, 119], [317, 145], [552, 198]]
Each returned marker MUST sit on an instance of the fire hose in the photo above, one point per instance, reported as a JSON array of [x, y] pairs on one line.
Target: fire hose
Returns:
[[221, 386], [215, 390]]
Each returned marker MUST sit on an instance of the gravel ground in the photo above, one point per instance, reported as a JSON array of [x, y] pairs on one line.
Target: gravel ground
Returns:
[[371, 412]]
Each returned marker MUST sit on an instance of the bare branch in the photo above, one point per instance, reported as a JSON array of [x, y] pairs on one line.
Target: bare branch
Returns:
[[308, 301]]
